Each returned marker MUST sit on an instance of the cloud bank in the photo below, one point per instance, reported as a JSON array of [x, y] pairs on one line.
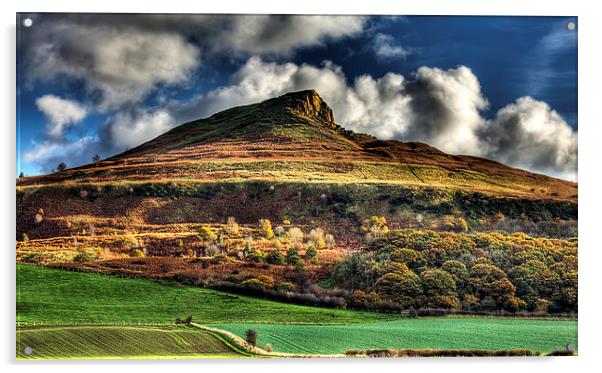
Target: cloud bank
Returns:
[[125, 57]]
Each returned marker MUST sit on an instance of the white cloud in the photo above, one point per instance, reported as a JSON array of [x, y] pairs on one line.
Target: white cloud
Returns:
[[445, 107], [126, 130], [61, 113], [529, 134], [385, 46], [48, 154]]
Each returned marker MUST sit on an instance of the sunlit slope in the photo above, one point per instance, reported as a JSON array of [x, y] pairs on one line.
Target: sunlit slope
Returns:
[[295, 138]]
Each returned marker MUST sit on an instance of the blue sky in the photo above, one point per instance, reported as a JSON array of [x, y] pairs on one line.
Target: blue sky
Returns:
[[499, 87]]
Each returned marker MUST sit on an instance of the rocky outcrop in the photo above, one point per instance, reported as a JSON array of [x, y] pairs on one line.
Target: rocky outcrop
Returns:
[[304, 104]]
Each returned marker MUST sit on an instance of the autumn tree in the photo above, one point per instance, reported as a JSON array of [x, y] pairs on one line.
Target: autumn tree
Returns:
[[403, 288], [439, 289]]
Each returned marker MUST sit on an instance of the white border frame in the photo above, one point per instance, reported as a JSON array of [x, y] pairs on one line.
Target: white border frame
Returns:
[[590, 257]]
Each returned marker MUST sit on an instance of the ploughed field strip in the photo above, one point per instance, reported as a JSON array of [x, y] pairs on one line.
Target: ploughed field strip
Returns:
[[119, 342], [441, 333]]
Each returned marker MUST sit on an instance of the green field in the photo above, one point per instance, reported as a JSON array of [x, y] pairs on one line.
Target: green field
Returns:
[[421, 333], [109, 342], [56, 297], [52, 296]]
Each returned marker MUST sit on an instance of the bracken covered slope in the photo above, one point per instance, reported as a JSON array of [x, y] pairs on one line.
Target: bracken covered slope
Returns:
[[294, 138]]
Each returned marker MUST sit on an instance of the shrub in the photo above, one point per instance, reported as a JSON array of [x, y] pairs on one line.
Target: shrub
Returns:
[[357, 271], [286, 286], [207, 234], [407, 256], [275, 257], [251, 337], [461, 225], [455, 224], [457, 269], [248, 249], [255, 284], [25, 237], [541, 305], [257, 256], [212, 250], [329, 238], [311, 254], [267, 280], [295, 235], [85, 255], [375, 227], [137, 253], [381, 353], [279, 231], [232, 226], [292, 256], [316, 238], [219, 259], [266, 228]]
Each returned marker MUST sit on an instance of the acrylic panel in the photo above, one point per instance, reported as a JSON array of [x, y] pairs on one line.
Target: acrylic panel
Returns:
[[228, 186]]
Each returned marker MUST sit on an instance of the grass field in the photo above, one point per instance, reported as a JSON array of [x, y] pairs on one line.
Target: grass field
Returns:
[[422, 333], [52, 296], [109, 342]]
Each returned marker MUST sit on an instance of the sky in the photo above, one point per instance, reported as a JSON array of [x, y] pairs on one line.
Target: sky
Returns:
[[503, 88]]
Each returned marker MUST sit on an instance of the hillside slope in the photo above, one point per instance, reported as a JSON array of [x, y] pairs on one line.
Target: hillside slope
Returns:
[[294, 138]]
